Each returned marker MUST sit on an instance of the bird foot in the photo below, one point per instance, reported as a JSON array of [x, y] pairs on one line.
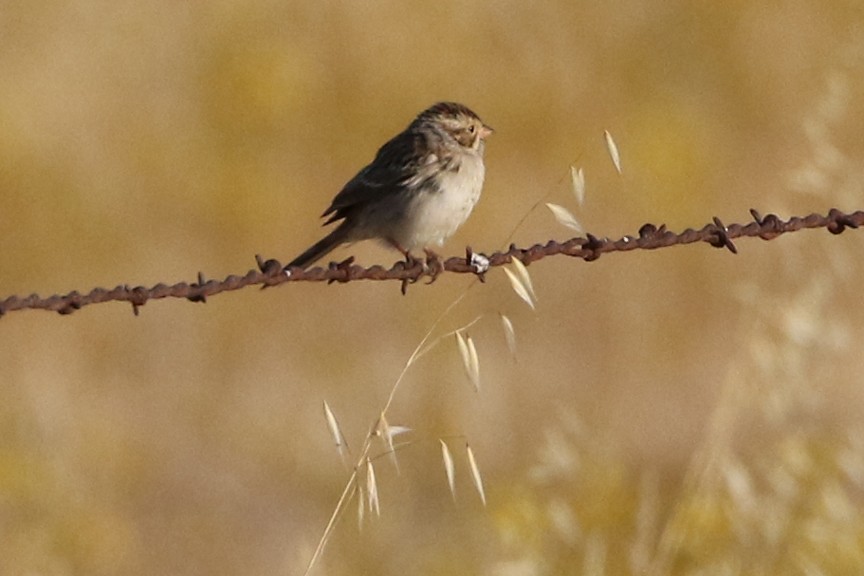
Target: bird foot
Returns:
[[410, 263], [433, 266]]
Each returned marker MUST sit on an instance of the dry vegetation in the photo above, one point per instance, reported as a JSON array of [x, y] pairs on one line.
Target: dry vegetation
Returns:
[[680, 412]]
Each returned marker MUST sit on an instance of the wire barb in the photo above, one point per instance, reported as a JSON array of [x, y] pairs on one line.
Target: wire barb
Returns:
[[840, 221], [721, 238]]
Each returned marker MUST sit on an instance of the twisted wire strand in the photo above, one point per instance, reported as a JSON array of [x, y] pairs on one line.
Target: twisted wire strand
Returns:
[[589, 248]]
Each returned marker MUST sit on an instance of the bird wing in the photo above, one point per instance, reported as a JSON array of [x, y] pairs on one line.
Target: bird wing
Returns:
[[406, 161]]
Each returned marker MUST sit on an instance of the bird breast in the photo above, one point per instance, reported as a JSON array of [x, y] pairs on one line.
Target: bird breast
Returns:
[[443, 203]]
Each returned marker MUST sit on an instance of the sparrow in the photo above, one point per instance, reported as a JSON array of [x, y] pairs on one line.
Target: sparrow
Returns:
[[419, 189]]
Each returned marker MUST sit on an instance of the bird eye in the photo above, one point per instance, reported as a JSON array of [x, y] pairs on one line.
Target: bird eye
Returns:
[[472, 128]]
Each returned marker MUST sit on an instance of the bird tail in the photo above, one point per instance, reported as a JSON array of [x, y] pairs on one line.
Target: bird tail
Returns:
[[320, 248]]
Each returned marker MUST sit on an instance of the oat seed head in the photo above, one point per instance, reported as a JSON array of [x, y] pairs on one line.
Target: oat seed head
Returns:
[[564, 217], [372, 488], [521, 282], [475, 473], [449, 468], [509, 333], [335, 430], [577, 179], [470, 360], [613, 150], [361, 507]]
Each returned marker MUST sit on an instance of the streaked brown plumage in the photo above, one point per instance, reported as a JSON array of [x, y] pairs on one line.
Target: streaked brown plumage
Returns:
[[419, 189]]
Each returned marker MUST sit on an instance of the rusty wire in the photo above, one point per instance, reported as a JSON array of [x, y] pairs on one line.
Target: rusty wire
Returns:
[[271, 273]]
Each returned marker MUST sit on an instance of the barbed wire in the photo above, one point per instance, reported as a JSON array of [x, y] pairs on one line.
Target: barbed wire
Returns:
[[589, 248]]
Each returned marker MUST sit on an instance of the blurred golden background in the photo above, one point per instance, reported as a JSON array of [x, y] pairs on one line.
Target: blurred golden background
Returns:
[[678, 411]]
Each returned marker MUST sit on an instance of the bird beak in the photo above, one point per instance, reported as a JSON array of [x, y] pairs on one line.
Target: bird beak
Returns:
[[485, 131]]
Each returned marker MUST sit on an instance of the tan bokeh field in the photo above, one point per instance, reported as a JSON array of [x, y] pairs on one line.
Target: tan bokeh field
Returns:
[[682, 411]]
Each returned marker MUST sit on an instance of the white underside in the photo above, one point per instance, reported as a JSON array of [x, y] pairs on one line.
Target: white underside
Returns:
[[432, 216]]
